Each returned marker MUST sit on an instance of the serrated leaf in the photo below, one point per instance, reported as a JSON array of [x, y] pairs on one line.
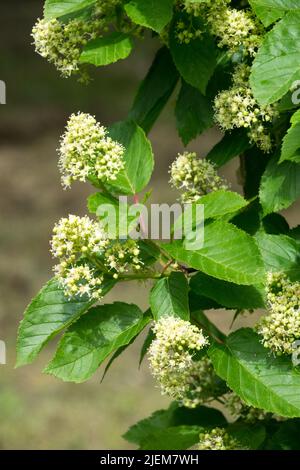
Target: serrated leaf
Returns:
[[291, 141], [58, 8], [48, 314], [232, 145], [228, 294], [96, 335], [260, 379], [169, 296], [280, 186], [107, 50], [277, 64], [280, 254], [154, 14], [194, 113], [228, 253], [270, 11], [195, 61], [155, 90], [216, 204], [138, 157]]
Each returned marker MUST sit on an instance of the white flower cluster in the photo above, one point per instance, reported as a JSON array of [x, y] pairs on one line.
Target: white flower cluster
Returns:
[[238, 30], [123, 257], [237, 108], [76, 240], [194, 176], [217, 439], [172, 360], [62, 43], [87, 151], [281, 327]]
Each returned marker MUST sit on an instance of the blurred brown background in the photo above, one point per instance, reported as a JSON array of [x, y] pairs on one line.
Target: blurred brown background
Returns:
[[38, 411]]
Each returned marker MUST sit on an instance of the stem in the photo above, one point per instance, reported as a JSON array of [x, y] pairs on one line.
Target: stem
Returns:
[[140, 277]]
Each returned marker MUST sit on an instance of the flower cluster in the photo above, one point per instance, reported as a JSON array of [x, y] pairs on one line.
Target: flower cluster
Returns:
[[187, 32], [194, 176], [238, 30], [87, 151], [75, 241], [123, 257], [217, 439], [172, 360], [62, 43], [237, 108], [281, 327]]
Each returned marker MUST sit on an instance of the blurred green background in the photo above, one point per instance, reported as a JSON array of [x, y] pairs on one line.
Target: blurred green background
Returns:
[[38, 411]]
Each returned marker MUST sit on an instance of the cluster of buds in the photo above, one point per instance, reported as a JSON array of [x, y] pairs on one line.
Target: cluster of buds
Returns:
[[62, 43], [86, 151], [123, 257], [187, 32], [195, 177], [75, 242], [237, 108], [281, 328], [217, 439], [172, 360]]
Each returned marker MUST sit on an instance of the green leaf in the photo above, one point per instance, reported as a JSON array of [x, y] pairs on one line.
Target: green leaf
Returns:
[[194, 113], [173, 417], [287, 436], [232, 145], [176, 438], [155, 90], [228, 294], [96, 335], [169, 296], [195, 61], [100, 204], [154, 14], [216, 204], [107, 50], [138, 157], [146, 345], [58, 8], [250, 437], [46, 316], [228, 253], [280, 254], [277, 64], [280, 186], [262, 381], [270, 11], [291, 141], [200, 319]]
